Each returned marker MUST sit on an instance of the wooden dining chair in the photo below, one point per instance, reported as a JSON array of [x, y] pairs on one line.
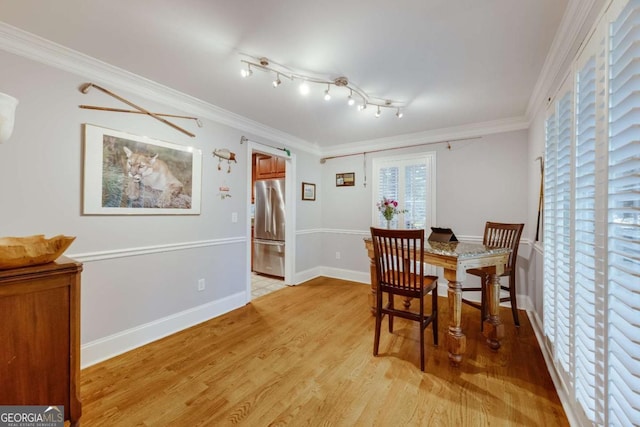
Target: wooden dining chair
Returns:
[[399, 261], [498, 235]]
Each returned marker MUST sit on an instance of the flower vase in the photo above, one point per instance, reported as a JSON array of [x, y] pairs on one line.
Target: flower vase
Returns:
[[389, 224]]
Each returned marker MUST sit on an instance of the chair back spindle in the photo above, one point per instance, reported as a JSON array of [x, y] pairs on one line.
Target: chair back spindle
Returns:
[[499, 235]]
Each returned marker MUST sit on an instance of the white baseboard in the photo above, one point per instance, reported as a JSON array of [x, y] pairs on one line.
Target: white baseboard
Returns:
[[303, 276], [121, 342], [339, 273], [536, 324]]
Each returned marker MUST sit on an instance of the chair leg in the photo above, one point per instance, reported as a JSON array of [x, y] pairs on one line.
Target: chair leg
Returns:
[[391, 306], [422, 328], [514, 301], [376, 339], [434, 314]]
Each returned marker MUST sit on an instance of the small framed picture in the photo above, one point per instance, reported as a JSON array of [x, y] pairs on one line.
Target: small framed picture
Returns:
[[308, 191], [345, 179]]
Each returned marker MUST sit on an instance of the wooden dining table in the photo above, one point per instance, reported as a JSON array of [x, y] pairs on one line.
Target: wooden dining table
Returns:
[[456, 258]]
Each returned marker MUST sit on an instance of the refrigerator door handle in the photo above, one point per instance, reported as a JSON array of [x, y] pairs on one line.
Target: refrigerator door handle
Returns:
[[269, 242], [269, 213]]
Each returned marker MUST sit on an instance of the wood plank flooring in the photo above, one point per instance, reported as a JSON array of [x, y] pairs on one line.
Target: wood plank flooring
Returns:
[[303, 356]]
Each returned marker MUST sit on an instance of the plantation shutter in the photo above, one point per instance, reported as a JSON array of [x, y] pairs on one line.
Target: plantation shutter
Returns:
[[388, 186], [549, 226], [416, 185], [585, 231], [623, 296], [564, 238]]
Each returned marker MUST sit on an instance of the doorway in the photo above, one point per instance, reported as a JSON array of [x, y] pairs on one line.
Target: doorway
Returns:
[[274, 165]]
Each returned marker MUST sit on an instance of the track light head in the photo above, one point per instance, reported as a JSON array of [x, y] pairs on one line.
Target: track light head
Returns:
[[327, 95], [277, 81], [350, 100], [399, 114], [378, 112], [246, 73]]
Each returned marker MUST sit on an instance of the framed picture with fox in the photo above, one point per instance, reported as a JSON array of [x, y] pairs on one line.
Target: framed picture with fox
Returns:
[[127, 174]]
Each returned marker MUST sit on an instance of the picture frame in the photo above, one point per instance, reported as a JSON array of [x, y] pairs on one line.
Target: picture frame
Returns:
[[126, 174], [345, 179], [308, 191]]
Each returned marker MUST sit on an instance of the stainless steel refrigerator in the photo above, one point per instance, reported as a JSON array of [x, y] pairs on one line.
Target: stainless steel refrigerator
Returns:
[[269, 221]]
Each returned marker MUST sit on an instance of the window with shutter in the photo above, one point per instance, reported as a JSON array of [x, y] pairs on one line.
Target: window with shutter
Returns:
[[410, 180]]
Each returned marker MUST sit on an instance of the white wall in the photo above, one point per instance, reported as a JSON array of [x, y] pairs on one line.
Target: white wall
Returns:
[[140, 272], [477, 181], [536, 141]]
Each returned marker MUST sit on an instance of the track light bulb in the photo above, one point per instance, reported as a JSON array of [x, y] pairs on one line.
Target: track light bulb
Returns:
[[277, 81], [246, 73], [350, 100], [378, 112], [327, 95], [362, 106], [399, 114], [304, 88]]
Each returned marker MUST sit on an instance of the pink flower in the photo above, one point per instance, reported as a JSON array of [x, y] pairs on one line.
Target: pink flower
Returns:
[[389, 208]]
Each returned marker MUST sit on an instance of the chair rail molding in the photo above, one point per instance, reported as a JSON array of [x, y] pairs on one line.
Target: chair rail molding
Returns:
[[146, 250]]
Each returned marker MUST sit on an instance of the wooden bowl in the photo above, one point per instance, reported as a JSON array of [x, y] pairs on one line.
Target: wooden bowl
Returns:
[[31, 250]]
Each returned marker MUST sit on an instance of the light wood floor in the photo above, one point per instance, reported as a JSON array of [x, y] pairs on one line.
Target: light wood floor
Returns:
[[303, 356]]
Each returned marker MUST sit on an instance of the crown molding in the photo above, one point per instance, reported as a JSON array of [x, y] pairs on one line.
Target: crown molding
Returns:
[[576, 21], [31, 46], [469, 131]]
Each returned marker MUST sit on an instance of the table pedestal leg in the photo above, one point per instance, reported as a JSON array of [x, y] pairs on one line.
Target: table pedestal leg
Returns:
[[493, 327], [456, 340]]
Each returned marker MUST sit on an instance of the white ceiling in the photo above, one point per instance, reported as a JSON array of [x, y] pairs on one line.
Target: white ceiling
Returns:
[[452, 62]]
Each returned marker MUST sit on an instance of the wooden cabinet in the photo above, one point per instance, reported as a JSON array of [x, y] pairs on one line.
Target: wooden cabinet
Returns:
[[40, 336], [268, 167]]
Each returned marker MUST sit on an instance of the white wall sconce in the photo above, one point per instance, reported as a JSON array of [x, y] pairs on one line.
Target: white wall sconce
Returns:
[[7, 116]]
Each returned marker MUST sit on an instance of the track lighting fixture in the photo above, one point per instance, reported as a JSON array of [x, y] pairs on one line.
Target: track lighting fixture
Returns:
[[264, 64]]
